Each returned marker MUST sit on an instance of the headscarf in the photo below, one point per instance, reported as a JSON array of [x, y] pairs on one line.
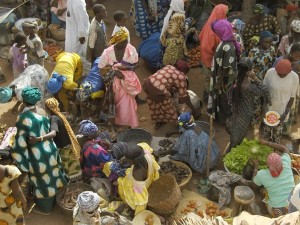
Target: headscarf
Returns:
[[175, 6], [182, 65], [186, 121], [295, 25], [208, 39], [283, 66], [224, 30], [88, 128], [5, 94], [265, 34], [259, 9], [32, 24], [31, 95], [119, 36], [274, 163], [238, 24], [53, 104], [55, 83]]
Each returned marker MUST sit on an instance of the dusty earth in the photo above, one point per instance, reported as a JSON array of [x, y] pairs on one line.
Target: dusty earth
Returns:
[[196, 78]]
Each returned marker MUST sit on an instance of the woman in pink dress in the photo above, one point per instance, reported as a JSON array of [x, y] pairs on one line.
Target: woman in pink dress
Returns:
[[122, 59]]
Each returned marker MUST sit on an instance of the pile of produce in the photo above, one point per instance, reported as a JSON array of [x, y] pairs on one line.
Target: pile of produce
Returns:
[[170, 167], [193, 219], [53, 50], [69, 199], [237, 158], [295, 161], [211, 210]]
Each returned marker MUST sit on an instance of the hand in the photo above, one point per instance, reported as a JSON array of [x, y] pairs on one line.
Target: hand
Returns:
[[33, 140], [263, 141], [82, 40]]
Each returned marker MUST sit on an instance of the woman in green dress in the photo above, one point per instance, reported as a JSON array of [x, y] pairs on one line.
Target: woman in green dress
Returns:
[[41, 160]]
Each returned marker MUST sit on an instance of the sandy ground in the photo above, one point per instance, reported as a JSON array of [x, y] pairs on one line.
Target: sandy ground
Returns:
[[196, 78]]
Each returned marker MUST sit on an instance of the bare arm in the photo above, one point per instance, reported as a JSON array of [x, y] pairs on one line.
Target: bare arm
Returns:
[[17, 193], [277, 147]]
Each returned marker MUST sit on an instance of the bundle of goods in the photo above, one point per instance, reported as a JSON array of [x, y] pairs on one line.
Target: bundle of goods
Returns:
[[53, 49], [179, 170], [193, 219], [57, 32], [211, 209], [236, 160]]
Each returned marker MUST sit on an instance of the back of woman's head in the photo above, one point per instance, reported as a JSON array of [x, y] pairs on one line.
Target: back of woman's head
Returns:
[[295, 47], [244, 65], [136, 153]]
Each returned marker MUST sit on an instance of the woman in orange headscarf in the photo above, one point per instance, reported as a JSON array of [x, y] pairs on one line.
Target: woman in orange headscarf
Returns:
[[209, 41]]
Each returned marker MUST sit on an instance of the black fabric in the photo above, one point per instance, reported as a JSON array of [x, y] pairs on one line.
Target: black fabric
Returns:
[[62, 138]]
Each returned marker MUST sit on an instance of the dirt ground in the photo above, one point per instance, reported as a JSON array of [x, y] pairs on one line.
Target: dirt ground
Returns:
[[196, 78]]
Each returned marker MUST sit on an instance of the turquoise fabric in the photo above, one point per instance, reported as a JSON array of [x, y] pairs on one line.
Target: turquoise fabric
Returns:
[[278, 188]]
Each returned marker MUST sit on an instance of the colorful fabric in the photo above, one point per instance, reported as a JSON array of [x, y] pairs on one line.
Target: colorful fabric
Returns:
[[224, 30], [133, 192], [283, 67], [295, 25], [274, 164], [272, 134], [35, 53], [126, 89], [19, 61], [31, 95], [118, 37], [186, 120], [162, 83], [193, 56], [278, 188], [10, 209], [41, 160], [88, 128], [93, 158], [284, 45], [5, 94], [258, 8], [55, 83], [262, 60]]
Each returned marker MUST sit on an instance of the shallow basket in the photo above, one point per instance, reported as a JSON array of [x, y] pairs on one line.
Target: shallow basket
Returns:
[[164, 195], [60, 194], [56, 32], [203, 126], [136, 135]]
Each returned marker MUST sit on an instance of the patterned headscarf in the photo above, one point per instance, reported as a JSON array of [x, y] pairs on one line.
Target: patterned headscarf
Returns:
[[32, 24], [238, 24], [295, 25], [259, 9], [274, 163], [119, 36], [224, 30], [88, 128], [53, 104], [186, 120], [31, 95]]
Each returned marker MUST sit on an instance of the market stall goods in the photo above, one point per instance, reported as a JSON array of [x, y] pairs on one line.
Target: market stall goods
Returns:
[[272, 118]]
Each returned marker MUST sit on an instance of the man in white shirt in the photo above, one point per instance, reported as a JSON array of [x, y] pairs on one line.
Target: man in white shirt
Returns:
[[283, 85]]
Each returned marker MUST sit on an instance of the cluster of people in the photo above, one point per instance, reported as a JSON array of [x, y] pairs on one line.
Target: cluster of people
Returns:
[[246, 74]]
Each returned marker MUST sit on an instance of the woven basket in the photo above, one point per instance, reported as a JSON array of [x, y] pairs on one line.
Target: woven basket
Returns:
[[243, 195], [136, 135], [56, 32], [60, 194], [164, 195]]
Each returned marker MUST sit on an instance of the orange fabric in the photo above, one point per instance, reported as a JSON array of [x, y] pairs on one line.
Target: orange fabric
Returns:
[[208, 39]]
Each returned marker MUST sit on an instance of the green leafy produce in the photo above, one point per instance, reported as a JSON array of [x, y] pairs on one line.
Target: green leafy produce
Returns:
[[237, 158]]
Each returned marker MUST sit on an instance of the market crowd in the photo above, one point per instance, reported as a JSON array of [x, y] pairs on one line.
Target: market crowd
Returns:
[[251, 71]]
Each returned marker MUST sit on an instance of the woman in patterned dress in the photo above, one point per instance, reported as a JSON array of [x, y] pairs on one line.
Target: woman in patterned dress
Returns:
[[223, 70], [249, 99], [160, 88], [41, 160], [173, 31]]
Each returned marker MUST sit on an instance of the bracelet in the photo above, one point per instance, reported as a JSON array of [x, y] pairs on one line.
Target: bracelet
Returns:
[[42, 138]]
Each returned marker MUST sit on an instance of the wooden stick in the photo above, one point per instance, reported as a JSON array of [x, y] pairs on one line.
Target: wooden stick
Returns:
[[31, 208], [209, 145]]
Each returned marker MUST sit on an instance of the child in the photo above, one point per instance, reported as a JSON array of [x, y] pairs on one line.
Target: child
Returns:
[[264, 55], [19, 59], [34, 48], [12, 199], [120, 18], [97, 41]]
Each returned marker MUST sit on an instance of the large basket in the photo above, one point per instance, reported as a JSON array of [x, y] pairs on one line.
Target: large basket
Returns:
[[136, 135], [73, 186], [203, 126], [56, 32], [164, 195]]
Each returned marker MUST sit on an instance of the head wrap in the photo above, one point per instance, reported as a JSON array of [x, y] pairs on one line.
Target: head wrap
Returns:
[[186, 120], [88, 201], [182, 65], [295, 198], [265, 34], [224, 30], [175, 6], [259, 9], [88, 128], [283, 67], [238, 24], [55, 83], [274, 163], [32, 24], [53, 104], [5, 94], [295, 25], [31, 95], [119, 36], [85, 91]]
